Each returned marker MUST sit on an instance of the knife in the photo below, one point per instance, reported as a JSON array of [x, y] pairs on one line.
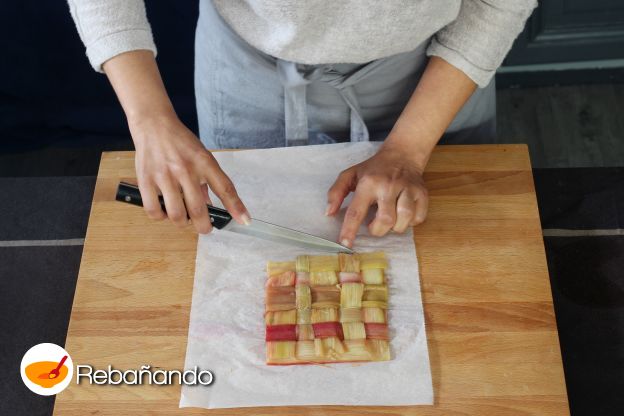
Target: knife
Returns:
[[222, 220]]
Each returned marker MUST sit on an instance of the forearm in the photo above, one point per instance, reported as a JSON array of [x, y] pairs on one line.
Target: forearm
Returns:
[[169, 157], [139, 87], [438, 97]]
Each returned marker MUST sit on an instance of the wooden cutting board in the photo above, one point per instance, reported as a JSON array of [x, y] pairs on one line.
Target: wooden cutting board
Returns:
[[491, 328]]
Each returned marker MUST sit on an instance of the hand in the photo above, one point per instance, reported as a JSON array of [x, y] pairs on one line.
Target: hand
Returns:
[[172, 160], [389, 179]]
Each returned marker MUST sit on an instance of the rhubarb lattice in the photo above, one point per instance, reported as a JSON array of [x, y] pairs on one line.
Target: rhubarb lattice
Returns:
[[322, 309]]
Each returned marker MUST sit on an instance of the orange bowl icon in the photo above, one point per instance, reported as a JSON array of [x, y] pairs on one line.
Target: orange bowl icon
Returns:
[[42, 373], [46, 369]]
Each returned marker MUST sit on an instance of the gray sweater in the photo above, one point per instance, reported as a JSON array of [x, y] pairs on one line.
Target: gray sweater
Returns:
[[472, 35]]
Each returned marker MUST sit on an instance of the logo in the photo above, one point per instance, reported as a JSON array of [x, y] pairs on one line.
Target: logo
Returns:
[[46, 369]]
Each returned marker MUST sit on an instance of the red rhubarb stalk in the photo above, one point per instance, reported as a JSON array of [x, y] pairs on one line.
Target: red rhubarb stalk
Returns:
[[281, 332]]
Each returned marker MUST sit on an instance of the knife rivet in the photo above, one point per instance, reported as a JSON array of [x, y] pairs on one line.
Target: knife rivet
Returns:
[[128, 198], [211, 219]]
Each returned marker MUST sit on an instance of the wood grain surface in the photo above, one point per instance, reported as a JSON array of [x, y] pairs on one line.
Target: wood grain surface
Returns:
[[490, 322]]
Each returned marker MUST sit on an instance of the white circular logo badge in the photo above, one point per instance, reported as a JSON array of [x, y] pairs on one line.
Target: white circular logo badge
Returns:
[[47, 369]]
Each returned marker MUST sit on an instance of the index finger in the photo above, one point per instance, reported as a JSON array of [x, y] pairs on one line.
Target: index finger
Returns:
[[355, 214], [223, 187]]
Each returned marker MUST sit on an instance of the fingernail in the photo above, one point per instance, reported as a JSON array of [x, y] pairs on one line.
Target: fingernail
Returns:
[[246, 219], [327, 210], [346, 242]]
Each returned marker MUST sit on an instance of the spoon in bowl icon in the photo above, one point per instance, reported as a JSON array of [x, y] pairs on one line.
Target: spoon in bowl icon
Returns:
[[54, 373]]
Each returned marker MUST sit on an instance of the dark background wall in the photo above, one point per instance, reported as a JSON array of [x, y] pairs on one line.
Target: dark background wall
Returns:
[[572, 31], [48, 91], [568, 42]]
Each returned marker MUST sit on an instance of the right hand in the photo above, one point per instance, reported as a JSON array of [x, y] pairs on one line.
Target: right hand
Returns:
[[172, 161]]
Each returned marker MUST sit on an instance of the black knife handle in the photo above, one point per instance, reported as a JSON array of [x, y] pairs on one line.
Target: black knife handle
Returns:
[[130, 194]]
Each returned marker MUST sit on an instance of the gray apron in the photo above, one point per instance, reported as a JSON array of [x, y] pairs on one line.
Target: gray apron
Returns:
[[248, 99]]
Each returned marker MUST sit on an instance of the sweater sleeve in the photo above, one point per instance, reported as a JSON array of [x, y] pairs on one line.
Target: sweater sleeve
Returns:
[[477, 41], [111, 27]]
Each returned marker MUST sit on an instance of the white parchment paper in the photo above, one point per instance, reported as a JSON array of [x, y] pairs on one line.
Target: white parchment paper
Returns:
[[288, 186]]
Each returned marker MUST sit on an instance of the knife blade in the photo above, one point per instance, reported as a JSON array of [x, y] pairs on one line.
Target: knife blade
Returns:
[[222, 220]]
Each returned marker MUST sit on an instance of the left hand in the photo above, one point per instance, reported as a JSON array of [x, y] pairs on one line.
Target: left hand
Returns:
[[389, 179]]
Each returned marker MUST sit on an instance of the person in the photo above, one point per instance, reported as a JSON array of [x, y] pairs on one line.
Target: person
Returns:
[[294, 72]]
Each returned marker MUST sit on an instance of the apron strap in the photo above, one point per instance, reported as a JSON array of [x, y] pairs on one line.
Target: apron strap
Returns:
[[295, 107], [359, 131], [295, 79]]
